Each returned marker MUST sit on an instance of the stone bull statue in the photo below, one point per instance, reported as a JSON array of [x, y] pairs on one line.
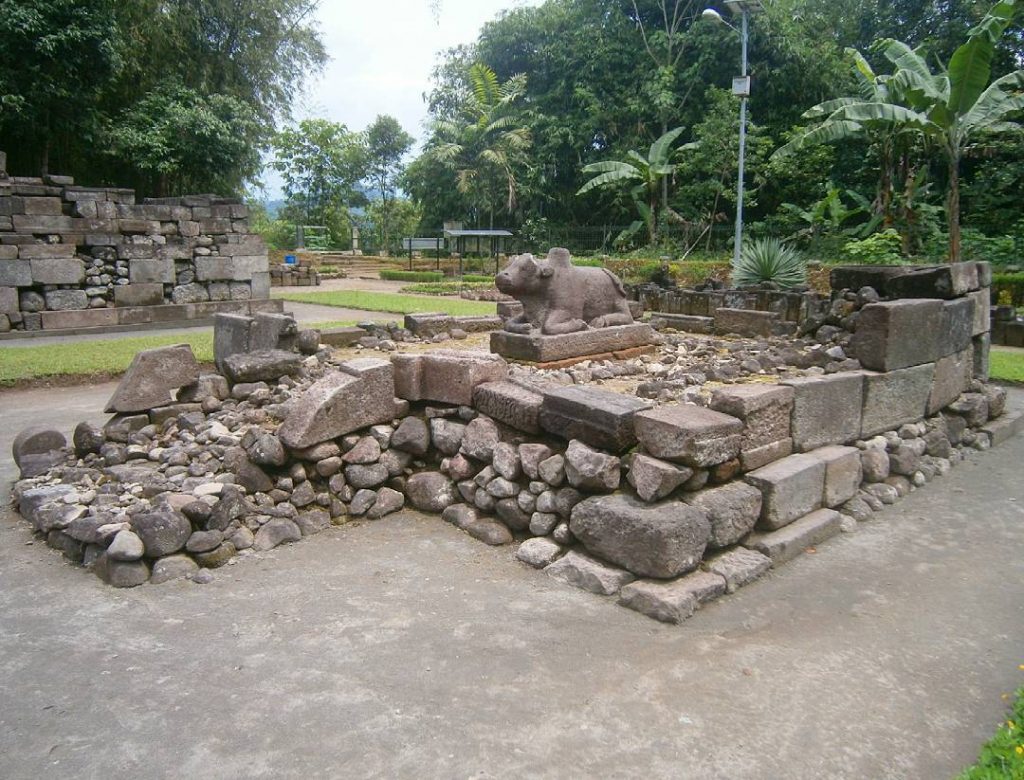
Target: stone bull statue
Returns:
[[559, 297]]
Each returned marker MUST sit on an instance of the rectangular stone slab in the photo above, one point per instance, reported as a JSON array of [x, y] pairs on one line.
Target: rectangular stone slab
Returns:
[[897, 334], [510, 403], [689, 434], [446, 376], [896, 397], [745, 322], [957, 326], [790, 487], [826, 409], [787, 543], [687, 323], [953, 376], [596, 417], [544, 349]]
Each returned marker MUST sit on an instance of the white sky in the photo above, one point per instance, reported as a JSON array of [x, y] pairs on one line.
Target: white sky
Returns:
[[382, 53]]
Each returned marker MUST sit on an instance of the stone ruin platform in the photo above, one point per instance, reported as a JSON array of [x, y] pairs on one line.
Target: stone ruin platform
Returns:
[[595, 344]]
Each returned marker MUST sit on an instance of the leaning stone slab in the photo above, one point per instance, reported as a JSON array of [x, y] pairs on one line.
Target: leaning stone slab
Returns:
[[732, 510], [265, 366], [843, 473], [654, 479], [787, 543], [545, 349], [231, 334], [826, 409], [738, 567], [650, 540], [153, 378], [895, 397], [688, 434], [596, 417], [360, 394], [579, 569], [953, 375], [445, 376], [897, 334], [790, 488], [672, 602], [510, 403]]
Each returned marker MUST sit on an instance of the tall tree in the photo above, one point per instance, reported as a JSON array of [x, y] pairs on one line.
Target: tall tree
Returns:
[[485, 146], [386, 145]]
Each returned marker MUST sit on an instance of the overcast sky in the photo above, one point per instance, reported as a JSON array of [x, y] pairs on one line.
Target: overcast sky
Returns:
[[382, 53]]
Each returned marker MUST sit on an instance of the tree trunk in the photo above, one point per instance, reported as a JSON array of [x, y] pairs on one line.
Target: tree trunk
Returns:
[[953, 207], [664, 179]]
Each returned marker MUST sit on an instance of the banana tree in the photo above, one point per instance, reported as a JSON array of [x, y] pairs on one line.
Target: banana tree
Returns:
[[646, 174], [951, 108]]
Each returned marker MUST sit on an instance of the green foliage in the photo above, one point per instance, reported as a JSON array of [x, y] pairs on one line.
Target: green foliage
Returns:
[[181, 141], [881, 248], [387, 302], [402, 215], [386, 144], [411, 276], [447, 288], [321, 163], [998, 250], [1008, 288], [277, 233], [769, 260], [1002, 757]]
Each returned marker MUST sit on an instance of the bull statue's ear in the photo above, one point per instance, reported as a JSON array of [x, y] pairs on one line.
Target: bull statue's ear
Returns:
[[546, 270]]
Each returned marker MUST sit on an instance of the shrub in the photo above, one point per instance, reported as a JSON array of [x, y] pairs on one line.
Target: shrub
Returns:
[[998, 250], [477, 279], [1008, 287], [411, 276], [769, 260], [877, 249], [446, 288]]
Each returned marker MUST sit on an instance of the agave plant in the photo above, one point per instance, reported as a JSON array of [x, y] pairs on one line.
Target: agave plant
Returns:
[[769, 260]]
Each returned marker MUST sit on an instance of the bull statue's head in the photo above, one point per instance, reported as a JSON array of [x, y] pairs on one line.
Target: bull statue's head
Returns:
[[523, 275]]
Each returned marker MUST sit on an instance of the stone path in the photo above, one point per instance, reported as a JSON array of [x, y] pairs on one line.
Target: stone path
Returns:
[[403, 648]]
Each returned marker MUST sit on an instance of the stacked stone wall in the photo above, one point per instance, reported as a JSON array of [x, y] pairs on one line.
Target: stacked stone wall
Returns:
[[80, 257]]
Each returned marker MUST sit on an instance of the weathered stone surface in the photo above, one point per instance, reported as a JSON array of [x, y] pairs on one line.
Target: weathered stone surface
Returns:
[[738, 567], [981, 299], [579, 569], [505, 461], [957, 326], [590, 470], [126, 546], [66, 300], [162, 532], [139, 295], [9, 300], [173, 567], [203, 541], [745, 322], [530, 457], [948, 280], [267, 450], [765, 411], [536, 348], [894, 398], [539, 552], [480, 438], [217, 557], [510, 403], [826, 409], [510, 513], [552, 470], [445, 376], [366, 476], [981, 348], [650, 540], [897, 334], [207, 386], [265, 366], [312, 521], [972, 407], [843, 473], [460, 515], [360, 394], [654, 479], [953, 375], [278, 530], [874, 464], [388, 501], [489, 531], [413, 436], [36, 440], [365, 450], [153, 378], [231, 333], [15, 273], [447, 435], [689, 434], [57, 270], [674, 601], [787, 543], [430, 491], [790, 488], [121, 574], [732, 510], [598, 418]]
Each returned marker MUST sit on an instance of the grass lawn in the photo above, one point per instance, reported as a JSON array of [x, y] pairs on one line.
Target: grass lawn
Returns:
[[1006, 365], [390, 302], [100, 356], [1002, 757]]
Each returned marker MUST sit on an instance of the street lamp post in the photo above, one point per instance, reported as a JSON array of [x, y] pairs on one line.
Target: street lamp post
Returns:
[[741, 87]]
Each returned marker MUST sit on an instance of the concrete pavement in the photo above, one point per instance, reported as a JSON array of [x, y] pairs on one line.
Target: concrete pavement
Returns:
[[403, 648]]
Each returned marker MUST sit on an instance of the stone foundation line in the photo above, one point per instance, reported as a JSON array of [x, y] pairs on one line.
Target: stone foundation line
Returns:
[[664, 504]]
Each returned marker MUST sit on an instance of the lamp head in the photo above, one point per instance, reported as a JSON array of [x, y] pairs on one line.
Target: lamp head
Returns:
[[711, 15]]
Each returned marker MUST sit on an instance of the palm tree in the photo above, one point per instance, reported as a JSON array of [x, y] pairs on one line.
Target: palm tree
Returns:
[[646, 174], [485, 146], [948, 109]]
